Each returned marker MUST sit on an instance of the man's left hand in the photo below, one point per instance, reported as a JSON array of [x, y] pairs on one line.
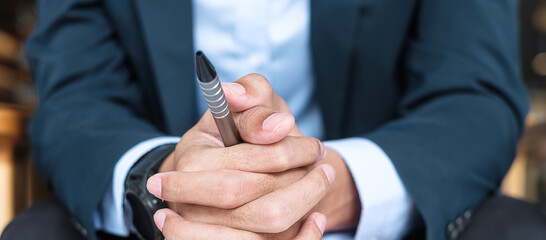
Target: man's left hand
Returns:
[[341, 203]]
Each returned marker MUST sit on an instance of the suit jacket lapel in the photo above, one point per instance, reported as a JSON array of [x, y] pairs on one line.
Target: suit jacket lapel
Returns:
[[167, 27], [333, 25], [168, 31]]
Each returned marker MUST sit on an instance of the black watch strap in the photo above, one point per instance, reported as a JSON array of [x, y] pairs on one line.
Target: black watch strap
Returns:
[[141, 203]]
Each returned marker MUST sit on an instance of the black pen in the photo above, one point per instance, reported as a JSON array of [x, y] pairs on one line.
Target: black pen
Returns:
[[218, 105]]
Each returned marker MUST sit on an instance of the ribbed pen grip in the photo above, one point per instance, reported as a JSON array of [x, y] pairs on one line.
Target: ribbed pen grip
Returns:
[[214, 94]]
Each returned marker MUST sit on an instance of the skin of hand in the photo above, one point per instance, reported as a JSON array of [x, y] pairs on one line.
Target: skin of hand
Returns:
[[267, 185], [173, 226]]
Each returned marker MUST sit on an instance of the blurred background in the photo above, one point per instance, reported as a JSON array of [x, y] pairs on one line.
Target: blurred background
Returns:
[[20, 185]]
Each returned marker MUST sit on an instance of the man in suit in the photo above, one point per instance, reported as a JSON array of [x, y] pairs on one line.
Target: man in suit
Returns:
[[430, 89]]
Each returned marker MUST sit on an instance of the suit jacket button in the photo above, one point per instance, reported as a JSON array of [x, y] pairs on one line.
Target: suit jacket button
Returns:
[[459, 221], [467, 214], [450, 227], [454, 235]]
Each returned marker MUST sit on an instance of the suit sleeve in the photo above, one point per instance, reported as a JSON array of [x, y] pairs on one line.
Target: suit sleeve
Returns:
[[463, 109], [90, 111]]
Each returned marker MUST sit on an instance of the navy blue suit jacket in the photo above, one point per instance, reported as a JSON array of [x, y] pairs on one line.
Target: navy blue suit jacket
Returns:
[[435, 83]]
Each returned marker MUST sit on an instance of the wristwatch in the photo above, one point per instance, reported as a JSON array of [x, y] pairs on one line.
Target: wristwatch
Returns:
[[138, 201]]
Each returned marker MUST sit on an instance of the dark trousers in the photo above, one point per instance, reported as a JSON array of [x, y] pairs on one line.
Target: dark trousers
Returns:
[[48, 220], [499, 218]]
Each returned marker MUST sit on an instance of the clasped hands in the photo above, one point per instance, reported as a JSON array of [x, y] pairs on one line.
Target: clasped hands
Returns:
[[269, 187]]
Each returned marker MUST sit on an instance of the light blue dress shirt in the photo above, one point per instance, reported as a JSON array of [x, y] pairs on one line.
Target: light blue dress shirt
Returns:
[[271, 37]]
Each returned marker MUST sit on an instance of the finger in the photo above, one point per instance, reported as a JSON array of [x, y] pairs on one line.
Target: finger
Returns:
[[221, 189], [289, 153], [261, 125], [258, 125], [174, 226], [274, 212], [282, 208], [253, 90], [312, 228]]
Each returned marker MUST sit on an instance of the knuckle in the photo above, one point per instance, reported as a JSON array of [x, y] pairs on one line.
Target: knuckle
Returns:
[[262, 84], [269, 93], [230, 191], [281, 157], [308, 151], [274, 216], [246, 119], [258, 78], [313, 146], [261, 151], [187, 160], [243, 159]]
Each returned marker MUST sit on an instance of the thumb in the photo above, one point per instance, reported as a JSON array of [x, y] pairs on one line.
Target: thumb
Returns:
[[261, 125]]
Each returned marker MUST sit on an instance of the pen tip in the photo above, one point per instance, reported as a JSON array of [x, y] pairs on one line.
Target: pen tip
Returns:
[[205, 70]]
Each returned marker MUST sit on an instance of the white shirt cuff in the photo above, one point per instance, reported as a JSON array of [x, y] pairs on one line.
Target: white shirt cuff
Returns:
[[386, 206], [110, 216]]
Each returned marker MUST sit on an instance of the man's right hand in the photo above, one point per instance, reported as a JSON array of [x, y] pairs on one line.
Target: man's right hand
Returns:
[[175, 227], [258, 186]]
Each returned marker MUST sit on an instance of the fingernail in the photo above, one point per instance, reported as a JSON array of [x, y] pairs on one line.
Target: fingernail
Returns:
[[330, 172], [322, 151], [234, 88], [273, 122], [154, 186], [320, 220], [159, 219]]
